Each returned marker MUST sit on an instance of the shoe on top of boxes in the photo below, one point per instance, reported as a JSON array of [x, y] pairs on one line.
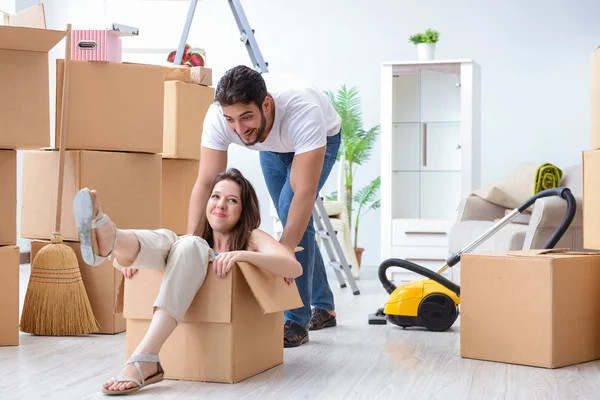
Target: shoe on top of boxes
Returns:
[[24, 99]]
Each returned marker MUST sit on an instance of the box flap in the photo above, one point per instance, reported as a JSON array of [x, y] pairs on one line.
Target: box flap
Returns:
[[549, 252], [271, 292], [29, 39], [33, 17]]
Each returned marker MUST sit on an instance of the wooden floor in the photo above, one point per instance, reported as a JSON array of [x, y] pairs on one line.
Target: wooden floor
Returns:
[[352, 361]]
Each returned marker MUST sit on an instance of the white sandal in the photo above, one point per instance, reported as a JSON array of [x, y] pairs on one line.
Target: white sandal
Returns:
[[83, 209], [136, 359]]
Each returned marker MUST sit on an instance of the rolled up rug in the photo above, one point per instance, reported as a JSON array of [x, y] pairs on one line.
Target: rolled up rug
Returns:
[[547, 176]]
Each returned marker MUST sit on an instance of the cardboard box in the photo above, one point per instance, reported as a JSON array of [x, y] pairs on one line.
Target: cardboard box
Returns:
[[595, 100], [24, 79], [8, 197], [196, 75], [9, 296], [128, 186], [591, 199], [112, 106], [232, 330], [104, 287], [537, 307], [178, 178], [186, 106]]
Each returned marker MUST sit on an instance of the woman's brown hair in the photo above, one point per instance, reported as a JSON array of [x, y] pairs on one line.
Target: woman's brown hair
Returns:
[[249, 218]]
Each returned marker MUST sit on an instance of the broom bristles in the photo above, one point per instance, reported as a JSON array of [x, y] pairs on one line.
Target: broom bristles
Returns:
[[56, 302]]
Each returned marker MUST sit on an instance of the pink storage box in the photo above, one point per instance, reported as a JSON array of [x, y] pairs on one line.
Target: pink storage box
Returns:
[[96, 45]]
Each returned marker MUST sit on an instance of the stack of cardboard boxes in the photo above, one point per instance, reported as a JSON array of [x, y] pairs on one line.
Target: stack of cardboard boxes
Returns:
[[540, 307], [24, 124]]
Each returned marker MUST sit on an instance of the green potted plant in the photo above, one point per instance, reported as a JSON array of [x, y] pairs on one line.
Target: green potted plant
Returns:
[[356, 148], [425, 43]]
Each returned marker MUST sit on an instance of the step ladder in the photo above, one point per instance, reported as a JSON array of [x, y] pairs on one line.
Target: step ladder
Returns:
[[336, 256]]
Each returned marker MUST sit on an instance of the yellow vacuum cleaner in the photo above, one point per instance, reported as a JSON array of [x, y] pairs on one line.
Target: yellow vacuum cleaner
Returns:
[[434, 303]]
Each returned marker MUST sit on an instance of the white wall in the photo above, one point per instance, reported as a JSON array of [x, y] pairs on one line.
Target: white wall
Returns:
[[534, 57]]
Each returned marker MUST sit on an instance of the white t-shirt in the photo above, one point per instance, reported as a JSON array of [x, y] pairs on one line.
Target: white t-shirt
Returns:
[[304, 119]]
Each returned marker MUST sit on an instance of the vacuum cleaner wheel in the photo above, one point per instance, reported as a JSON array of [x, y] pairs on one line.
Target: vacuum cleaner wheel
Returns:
[[438, 312]]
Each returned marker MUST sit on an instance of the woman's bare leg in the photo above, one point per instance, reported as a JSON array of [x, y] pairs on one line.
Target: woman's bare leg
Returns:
[[160, 329]]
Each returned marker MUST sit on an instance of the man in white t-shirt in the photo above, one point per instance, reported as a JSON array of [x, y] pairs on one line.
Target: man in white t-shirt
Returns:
[[297, 132]]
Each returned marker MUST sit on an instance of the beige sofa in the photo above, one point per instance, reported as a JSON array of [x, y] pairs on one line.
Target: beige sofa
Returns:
[[476, 215]]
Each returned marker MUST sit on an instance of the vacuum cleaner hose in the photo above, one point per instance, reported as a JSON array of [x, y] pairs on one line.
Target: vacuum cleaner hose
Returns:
[[397, 262], [562, 192], [566, 194]]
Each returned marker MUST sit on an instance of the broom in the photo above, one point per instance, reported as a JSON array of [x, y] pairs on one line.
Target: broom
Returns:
[[56, 303]]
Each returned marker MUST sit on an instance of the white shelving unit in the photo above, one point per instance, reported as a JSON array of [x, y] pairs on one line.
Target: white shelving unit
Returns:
[[430, 156]]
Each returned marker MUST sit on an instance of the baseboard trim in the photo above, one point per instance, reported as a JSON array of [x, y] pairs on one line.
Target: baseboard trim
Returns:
[[24, 257]]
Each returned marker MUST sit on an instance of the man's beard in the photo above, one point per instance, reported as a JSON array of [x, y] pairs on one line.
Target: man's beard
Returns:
[[259, 131]]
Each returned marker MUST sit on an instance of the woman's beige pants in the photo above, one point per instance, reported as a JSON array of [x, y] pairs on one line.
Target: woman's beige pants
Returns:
[[185, 262]]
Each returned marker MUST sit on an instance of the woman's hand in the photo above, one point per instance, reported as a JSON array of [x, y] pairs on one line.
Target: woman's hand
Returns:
[[128, 272], [224, 261]]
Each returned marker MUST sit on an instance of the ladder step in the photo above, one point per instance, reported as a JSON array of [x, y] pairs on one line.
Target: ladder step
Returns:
[[336, 265], [324, 234]]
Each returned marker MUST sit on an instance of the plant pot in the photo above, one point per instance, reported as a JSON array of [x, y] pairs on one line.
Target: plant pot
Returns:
[[426, 51], [358, 252]]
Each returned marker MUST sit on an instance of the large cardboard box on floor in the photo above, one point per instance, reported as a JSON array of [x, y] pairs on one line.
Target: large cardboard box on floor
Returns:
[[112, 106], [128, 185], [104, 288], [9, 296], [232, 330], [591, 199], [536, 307], [186, 105], [25, 81], [595, 100], [178, 178], [8, 197]]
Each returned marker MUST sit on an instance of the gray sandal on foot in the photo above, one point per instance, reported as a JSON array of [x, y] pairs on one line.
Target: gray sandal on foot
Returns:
[[136, 359], [84, 208]]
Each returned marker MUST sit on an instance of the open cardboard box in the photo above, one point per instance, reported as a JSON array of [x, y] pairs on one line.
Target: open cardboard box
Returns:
[[232, 330], [104, 288], [24, 79], [537, 307], [9, 296]]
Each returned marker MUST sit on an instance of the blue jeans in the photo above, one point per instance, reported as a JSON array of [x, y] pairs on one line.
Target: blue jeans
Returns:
[[312, 284]]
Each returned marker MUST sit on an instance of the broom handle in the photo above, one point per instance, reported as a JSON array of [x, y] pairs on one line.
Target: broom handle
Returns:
[[63, 129]]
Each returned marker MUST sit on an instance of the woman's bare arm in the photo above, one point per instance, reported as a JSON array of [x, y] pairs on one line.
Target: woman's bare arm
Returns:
[[268, 254]]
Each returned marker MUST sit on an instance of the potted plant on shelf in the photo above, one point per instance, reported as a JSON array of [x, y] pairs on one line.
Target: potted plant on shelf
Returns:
[[356, 147], [425, 43]]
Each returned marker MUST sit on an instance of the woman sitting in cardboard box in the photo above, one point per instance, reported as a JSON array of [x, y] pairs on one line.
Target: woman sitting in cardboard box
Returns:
[[228, 233]]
